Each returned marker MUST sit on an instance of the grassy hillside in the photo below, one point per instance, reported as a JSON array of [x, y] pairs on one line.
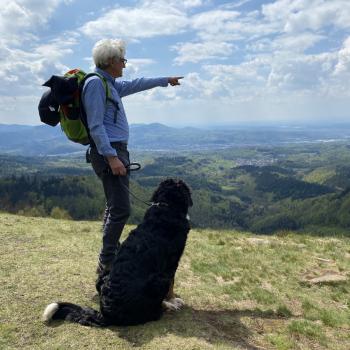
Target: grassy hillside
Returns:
[[242, 291]]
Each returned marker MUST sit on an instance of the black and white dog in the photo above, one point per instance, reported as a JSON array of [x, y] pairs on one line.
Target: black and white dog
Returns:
[[139, 287]]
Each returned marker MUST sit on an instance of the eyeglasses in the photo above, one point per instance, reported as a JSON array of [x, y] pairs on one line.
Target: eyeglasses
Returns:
[[124, 60]]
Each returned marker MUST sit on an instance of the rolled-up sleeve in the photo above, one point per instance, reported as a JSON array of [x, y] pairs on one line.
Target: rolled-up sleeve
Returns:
[[126, 88], [94, 100]]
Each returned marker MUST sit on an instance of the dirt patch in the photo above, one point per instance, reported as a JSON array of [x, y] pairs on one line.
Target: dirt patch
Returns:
[[246, 304], [326, 261], [223, 282], [328, 278], [324, 277], [258, 241], [295, 306]]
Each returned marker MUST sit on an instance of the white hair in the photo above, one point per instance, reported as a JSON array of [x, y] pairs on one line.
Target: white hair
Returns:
[[106, 49]]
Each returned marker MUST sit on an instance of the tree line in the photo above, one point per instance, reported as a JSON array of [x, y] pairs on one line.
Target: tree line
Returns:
[[259, 199]]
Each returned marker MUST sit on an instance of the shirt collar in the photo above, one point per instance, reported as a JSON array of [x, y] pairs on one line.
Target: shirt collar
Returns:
[[106, 75]]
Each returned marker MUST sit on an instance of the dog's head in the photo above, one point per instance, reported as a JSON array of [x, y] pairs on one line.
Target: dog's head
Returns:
[[174, 193]]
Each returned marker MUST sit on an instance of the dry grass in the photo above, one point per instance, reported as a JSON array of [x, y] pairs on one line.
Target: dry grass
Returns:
[[242, 291]]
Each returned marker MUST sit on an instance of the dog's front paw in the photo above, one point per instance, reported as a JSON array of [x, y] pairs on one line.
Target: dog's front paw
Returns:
[[168, 306], [178, 302]]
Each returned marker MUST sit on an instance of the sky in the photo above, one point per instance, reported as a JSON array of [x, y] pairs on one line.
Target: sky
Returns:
[[243, 61]]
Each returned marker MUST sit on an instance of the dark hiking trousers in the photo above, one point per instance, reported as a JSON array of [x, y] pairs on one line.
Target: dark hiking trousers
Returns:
[[117, 209]]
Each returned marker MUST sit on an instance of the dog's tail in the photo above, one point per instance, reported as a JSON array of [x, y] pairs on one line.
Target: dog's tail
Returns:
[[74, 313]]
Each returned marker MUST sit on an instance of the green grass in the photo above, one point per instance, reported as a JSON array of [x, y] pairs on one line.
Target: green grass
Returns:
[[309, 329], [241, 291]]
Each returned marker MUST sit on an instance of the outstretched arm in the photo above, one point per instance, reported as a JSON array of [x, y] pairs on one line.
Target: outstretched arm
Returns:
[[126, 88]]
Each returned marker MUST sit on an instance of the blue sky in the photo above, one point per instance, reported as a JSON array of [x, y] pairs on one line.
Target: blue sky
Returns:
[[244, 61]]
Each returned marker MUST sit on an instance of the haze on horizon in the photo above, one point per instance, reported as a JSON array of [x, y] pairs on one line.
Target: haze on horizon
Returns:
[[244, 61]]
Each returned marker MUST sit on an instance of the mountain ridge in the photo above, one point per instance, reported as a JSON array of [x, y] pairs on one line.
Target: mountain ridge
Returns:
[[46, 140]]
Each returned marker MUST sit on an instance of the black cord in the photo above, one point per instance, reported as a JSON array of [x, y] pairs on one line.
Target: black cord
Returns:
[[149, 204]]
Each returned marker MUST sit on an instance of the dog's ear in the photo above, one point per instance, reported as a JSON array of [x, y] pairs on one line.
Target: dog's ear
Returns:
[[186, 192], [155, 195]]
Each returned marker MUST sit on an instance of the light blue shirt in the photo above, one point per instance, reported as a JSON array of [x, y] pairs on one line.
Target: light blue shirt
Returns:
[[107, 121]]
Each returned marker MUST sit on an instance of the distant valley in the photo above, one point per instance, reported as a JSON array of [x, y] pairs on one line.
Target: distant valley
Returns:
[[44, 140]]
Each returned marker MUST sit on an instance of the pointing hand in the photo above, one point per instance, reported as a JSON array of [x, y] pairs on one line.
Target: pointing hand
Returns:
[[174, 80]]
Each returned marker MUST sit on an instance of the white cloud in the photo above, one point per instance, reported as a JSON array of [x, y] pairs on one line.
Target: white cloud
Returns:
[[210, 18], [343, 65], [277, 76], [299, 15], [304, 73], [230, 25], [282, 54], [12, 10], [338, 85], [275, 60], [282, 16], [19, 19], [297, 43], [242, 82], [24, 61], [180, 4], [136, 65], [145, 21], [217, 25], [283, 47], [196, 52], [234, 5], [28, 69], [194, 86]]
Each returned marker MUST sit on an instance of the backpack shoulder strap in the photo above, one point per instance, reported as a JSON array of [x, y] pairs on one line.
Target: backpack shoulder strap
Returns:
[[82, 108], [83, 117], [104, 82]]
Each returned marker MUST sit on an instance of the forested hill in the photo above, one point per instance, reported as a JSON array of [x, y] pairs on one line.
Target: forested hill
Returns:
[[261, 189]]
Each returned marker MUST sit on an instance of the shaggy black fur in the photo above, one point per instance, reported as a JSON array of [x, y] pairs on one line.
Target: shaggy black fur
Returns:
[[144, 267]]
